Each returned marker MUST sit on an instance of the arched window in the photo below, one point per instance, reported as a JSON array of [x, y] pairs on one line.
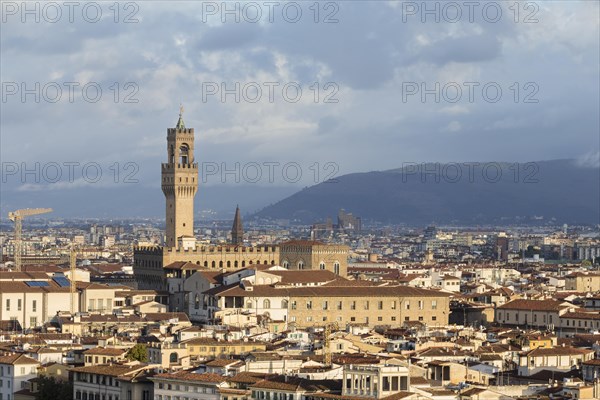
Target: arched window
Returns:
[[243, 264], [173, 357], [284, 303], [214, 264], [273, 262], [220, 264], [300, 264], [228, 264], [196, 301], [235, 264], [184, 150], [336, 267], [267, 303], [322, 265], [206, 264], [286, 264]]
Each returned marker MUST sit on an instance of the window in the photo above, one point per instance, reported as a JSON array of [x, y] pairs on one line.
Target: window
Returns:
[[434, 318], [267, 303], [407, 305], [34, 306], [322, 265], [379, 318], [336, 268], [293, 304], [7, 304], [366, 304], [284, 304], [325, 305], [380, 305], [434, 304], [393, 305], [420, 304], [249, 304], [309, 305], [353, 305]]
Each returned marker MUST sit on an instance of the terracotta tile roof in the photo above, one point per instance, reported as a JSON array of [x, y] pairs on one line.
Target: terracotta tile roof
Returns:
[[326, 291], [581, 315], [248, 377], [221, 362], [295, 384], [191, 376], [105, 351], [533, 305], [595, 362], [16, 359], [558, 351], [110, 369]]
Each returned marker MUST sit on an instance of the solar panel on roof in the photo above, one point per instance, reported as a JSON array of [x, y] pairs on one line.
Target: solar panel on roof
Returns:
[[62, 281], [36, 283]]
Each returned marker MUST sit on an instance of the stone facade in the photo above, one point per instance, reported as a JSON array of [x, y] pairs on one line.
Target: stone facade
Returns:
[[308, 254]]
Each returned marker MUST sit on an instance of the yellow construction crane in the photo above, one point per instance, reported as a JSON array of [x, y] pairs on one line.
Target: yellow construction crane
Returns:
[[326, 350], [17, 217], [73, 285]]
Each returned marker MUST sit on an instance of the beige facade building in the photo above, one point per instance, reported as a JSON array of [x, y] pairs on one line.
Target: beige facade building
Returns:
[[582, 282], [308, 254], [343, 304], [531, 313]]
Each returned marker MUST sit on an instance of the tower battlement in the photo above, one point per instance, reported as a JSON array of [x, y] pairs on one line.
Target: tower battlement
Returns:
[[166, 167]]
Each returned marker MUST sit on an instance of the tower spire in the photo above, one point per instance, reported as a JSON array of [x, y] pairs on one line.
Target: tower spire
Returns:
[[237, 231], [180, 124]]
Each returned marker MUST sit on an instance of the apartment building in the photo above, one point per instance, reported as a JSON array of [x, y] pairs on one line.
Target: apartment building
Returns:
[[15, 370]]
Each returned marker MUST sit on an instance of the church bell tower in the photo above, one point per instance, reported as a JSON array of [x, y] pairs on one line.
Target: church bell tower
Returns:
[[179, 182]]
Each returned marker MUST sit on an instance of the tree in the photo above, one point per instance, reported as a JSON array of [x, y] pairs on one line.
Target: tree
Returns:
[[50, 388], [138, 352]]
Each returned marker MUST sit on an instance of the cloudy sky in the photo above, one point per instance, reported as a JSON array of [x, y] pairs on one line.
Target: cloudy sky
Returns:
[[368, 62]]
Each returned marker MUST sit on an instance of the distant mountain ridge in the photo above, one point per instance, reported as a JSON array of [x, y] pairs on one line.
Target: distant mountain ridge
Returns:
[[469, 193]]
